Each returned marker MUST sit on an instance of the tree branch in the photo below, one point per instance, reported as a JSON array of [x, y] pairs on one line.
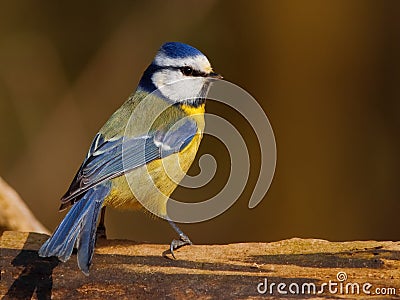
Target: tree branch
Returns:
[[14, 213]]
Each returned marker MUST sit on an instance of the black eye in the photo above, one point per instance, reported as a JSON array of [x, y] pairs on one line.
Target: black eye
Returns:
[[187, 71]]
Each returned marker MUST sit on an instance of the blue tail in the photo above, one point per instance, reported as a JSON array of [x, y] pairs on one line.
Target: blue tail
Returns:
[[78, 228]]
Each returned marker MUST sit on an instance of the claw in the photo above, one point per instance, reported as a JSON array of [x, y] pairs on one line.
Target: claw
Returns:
[[171, 248], [176, 244]]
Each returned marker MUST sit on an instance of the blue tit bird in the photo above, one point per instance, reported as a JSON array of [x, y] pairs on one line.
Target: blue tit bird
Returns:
[[127, 168]]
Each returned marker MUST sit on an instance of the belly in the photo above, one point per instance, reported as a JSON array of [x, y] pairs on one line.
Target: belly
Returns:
[[151, 185]]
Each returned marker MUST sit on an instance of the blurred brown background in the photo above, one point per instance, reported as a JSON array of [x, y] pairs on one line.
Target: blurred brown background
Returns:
[[327, 73]]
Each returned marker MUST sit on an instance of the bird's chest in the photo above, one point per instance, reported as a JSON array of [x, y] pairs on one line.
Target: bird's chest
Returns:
[[152, 184], [161, 176]]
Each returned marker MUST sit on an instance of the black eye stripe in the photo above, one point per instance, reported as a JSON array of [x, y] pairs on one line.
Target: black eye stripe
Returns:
[[194, 73], [198, 73], [189, 71]]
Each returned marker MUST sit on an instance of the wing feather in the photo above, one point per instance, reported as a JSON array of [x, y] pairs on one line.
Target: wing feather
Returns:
[[108, 159]]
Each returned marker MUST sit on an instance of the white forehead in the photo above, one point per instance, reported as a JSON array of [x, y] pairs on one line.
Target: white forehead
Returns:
[[197, 62]]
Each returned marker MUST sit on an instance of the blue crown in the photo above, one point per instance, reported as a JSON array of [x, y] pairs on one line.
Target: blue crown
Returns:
[[179, 50], [174, 50]]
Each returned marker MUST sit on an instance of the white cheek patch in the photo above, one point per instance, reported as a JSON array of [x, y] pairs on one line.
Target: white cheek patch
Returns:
[[166, 76], [176, 87]]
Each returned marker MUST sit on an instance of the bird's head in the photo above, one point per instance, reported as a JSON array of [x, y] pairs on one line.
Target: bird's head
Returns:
[[180, 73]]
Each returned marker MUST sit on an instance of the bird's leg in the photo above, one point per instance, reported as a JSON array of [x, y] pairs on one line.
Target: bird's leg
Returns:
[[101, 228], [183, 239]]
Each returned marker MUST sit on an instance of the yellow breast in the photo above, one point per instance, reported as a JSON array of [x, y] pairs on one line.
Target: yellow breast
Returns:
[[151, 185]]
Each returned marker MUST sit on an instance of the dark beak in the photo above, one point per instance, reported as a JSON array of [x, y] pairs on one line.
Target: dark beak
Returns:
[[214, 75]]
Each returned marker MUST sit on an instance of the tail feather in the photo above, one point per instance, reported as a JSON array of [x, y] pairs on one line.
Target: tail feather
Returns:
[[78, 228], [86, 239]]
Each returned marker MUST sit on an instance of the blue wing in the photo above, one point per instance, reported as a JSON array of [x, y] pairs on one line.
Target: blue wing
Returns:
[[108, 159]]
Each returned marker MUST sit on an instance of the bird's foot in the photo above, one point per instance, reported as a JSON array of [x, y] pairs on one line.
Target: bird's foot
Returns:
[[176, 244]]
